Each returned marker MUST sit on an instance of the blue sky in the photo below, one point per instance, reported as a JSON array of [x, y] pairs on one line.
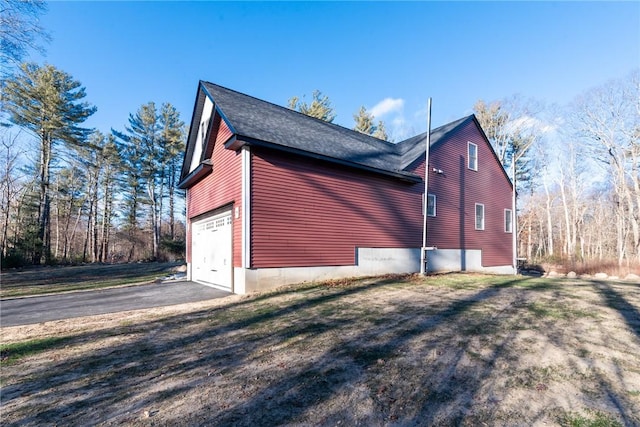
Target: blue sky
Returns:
[[389, 57]]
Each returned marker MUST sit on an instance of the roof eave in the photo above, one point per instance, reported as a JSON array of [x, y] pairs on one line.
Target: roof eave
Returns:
[[237, 141], [195, 176]]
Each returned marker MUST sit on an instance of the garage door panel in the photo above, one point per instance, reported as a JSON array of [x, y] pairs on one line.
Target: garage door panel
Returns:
[[212, 251]]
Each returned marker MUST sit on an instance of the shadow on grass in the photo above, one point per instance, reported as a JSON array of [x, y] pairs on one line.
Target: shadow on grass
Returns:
[[213, 349], [615, 300], [10, 353]]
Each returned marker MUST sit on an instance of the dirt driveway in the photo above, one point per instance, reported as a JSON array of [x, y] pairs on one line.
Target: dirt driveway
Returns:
[[464, 350]]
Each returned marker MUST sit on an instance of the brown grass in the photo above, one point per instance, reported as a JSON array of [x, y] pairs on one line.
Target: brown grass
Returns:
[[454, 349], [591, 267]]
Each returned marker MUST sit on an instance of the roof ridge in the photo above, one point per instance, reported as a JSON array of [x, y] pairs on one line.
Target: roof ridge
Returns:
[[255, 121], [305, 116]]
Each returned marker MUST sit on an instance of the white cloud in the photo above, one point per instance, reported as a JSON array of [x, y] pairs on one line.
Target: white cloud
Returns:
[[531, 124], [386, 106]]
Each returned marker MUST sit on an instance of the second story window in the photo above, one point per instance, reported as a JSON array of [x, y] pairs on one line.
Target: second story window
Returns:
[[472, 156]]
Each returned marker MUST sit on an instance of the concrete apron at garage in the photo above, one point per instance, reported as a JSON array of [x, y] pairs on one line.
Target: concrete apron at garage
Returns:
[[25, 311]]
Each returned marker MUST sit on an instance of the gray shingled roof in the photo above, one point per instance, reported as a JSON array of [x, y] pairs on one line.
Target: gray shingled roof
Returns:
[[255, 119], [411, 149]]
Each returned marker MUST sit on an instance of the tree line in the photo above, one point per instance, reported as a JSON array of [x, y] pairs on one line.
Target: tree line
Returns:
[[576, 169], [577, 173], [87, 196]]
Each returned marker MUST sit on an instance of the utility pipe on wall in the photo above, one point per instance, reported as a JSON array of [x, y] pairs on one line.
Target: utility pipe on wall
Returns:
[[425, 203], [514, 215]]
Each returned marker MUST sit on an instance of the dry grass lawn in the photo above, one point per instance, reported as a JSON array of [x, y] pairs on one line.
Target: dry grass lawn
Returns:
[[454, 349], [54, 279]]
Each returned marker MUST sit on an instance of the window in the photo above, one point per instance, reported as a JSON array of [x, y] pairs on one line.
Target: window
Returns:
[[431, 205], [508, 221], [472, 156], [479, 216], [203, 132]]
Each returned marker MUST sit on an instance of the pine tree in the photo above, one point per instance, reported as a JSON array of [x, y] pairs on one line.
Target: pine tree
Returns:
[[150, 148], [381, 131], [173, 136], [139, 159], [364, 122], [320, 107], [47, 101], [112, 165]]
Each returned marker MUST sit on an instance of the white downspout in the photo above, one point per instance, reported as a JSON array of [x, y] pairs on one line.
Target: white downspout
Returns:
[[425, 202], [514, 216], [246, 208]]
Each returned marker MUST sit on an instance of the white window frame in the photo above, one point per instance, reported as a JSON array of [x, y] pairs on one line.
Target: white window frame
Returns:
[[474, 166], [433, 204], [508, 221], [204, 127], [475, 217]]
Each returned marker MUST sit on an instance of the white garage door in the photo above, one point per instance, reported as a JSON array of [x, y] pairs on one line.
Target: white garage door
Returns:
[[211, 251]]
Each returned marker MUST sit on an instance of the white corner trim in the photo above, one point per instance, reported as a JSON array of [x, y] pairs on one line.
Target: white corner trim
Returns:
[[246, 207]]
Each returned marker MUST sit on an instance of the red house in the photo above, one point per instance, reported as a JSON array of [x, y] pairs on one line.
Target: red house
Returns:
[[277, 197]]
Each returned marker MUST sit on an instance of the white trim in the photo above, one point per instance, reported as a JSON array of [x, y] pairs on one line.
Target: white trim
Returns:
[[475, 217], [188, 242], [246, 207], [469, 144], [201, 136]]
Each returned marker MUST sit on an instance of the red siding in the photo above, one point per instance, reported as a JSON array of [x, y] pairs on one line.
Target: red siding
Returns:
[[306, 212], [223, 186], [458, 186], [310, 213]]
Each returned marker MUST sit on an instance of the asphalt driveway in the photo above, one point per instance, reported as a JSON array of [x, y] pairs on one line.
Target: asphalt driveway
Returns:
[[25, 311]]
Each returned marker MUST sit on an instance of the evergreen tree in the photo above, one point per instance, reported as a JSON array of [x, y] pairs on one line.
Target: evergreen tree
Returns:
[[151, 146], [173, 137], [320, 107], [139, 159], [112, 166], [381, 131], [46, 101], [364, 122]]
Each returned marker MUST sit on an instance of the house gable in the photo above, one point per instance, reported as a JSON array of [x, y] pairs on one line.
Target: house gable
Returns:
[[205, 123], [458, 189]]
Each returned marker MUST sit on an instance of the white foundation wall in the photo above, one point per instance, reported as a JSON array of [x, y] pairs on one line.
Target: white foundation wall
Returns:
[[369, 262], [443, 260]]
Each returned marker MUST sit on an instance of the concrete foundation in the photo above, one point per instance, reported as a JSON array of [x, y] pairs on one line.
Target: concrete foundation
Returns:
[[369, 262]]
